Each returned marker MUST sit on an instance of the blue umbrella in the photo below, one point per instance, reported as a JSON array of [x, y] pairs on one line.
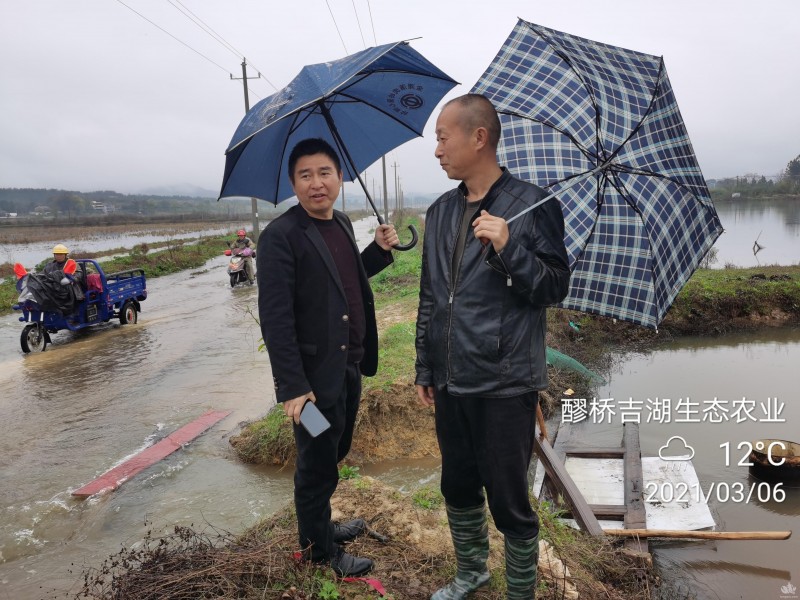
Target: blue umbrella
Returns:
[[364, 105], [599, 127]]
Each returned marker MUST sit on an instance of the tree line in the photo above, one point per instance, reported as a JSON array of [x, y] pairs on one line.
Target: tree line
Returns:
[[67, 204], [755, 187]]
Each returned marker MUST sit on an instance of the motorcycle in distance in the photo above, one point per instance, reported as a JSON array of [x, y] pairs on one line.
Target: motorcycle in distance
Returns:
[[236, 266]]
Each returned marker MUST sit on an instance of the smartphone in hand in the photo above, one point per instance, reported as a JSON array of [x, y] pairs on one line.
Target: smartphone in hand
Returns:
[[313, 420]]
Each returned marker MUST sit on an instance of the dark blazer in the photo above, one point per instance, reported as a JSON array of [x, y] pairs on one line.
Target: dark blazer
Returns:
[[303, 310]]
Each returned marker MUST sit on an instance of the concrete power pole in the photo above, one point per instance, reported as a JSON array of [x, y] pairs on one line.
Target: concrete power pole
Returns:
[[253, 201], [396, 197], [385, 192]]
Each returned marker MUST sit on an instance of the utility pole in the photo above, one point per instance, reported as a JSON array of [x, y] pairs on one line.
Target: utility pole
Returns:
[[396, 204], [253, 201], [385, 192]]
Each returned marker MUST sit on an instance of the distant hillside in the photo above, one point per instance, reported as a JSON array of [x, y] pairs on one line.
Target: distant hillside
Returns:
[[30, 202], [181, 190]]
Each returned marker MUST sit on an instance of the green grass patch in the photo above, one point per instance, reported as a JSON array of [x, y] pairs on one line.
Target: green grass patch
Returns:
[[349, 472], [266, 441], [428, 498], [396, 356], [714, 296], [401, 278]]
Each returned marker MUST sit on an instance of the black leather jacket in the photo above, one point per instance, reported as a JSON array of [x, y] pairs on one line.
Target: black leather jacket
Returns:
[[482, 333]]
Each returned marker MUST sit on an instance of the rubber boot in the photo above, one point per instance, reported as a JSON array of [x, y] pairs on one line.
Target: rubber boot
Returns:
[[347, 532], [522, 559], [470, 532]]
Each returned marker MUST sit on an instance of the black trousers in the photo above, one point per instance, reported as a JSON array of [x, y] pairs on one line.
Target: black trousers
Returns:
[[317, 470], [487, 444]]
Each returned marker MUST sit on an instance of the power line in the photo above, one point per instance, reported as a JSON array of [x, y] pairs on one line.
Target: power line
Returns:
[[374, 37], [358, 21], [334, 24], [175, 38], [204, 27], [217, 37]]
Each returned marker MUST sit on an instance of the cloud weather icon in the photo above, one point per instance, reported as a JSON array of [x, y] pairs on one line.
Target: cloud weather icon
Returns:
[[676, 451]]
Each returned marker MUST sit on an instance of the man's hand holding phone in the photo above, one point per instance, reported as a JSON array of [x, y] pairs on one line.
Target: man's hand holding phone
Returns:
[[303, 411]]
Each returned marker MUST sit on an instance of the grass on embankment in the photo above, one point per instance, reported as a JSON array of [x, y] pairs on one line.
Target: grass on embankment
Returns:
[[713, 301], [719, 300], [413, 558], [176, 255]]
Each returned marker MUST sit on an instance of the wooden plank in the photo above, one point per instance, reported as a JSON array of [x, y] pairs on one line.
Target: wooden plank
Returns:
[[558, 473], [683, 513], [113, 478], [608, 511], [701, 535], [563, 438], [547, 486], [599, 479], [540, 421], [635, 516], [612, 512], [580, 452]]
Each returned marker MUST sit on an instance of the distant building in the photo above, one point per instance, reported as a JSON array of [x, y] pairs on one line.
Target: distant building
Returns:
[[102, 207]]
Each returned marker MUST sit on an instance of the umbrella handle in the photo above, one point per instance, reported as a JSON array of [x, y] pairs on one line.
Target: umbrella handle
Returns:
[[412, 243]]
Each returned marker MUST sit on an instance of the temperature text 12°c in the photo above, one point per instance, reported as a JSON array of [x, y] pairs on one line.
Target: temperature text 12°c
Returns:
[[775, 451]]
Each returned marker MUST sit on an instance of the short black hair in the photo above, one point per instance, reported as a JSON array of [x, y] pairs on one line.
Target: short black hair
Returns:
[[478, 112], [309, 147]]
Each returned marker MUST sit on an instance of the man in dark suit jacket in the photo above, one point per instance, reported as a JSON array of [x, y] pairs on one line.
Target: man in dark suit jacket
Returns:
[[318, 320]]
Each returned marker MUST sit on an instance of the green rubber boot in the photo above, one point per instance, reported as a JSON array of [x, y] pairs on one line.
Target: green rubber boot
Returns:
[[470, 532], [522, 559]]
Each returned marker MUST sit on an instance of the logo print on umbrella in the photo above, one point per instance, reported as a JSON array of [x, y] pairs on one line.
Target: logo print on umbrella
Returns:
[[412, 101], [407, 101]]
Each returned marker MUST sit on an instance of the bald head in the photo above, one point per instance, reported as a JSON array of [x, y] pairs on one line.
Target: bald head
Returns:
[[477, 111]]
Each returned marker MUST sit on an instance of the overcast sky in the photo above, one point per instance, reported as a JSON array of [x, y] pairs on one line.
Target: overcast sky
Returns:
[[95, 97]]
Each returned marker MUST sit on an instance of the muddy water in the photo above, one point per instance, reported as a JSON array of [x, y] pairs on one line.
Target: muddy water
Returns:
[[759, 368], [31, 253], [92, 399], [775, 224]]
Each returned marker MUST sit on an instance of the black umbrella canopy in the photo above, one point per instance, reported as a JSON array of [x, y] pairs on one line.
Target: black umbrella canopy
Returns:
[[364, 105]]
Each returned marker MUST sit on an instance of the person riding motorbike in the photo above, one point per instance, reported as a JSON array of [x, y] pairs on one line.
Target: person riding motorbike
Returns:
[[57, 268], [58, 286], [59, 262], [239, 244]]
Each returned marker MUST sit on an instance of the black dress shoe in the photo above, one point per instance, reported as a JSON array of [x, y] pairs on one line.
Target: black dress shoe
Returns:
[[346, 532], [347, 565]]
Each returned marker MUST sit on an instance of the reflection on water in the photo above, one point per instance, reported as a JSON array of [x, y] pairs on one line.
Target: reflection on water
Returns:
[[97, 396], [775, 224], [743, 370], [32, 254]]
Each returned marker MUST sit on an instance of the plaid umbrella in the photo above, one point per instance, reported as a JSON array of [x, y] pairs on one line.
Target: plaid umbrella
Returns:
[[599, 126]]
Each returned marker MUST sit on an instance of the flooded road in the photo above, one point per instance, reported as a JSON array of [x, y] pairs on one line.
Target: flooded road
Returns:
[[31, 253], [96, 397]]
